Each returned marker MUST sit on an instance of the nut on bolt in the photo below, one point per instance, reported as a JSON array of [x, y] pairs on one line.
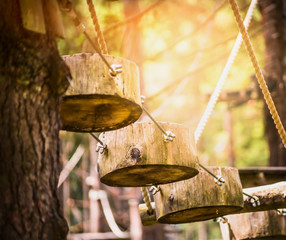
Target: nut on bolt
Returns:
[[255, 201], [219, 180], [101, 148], [154, 189], [143, 99], [116, 69], [169, 136]]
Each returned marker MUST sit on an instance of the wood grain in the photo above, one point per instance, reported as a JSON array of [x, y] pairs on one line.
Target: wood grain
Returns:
[[97, 101]]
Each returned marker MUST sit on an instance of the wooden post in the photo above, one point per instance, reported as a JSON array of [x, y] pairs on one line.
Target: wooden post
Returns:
[[135, 222], [137, 155], [96, 101], [94, 213], [85, 217], [256, 225]]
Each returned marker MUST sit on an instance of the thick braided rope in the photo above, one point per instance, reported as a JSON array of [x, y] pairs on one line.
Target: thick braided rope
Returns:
[[100, 38], [213, 100], [258, 72], [147, 200]]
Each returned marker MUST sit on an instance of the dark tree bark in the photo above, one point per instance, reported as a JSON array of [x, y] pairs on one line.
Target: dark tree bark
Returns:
[[274, 28], [32, 80]]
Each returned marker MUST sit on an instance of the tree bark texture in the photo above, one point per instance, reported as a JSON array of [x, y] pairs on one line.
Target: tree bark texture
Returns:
[[32, 80], [274, 28]]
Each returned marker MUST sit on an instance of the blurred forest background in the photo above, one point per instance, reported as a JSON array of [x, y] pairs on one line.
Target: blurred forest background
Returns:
[[181, 47]]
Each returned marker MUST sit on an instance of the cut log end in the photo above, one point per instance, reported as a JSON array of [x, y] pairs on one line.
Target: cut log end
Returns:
[[147, 175], [199, 198], [97, 113], [198, 214], [138, 155]]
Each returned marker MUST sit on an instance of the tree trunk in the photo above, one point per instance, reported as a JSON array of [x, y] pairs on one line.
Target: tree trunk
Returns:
[[32, 81], [273, 16]]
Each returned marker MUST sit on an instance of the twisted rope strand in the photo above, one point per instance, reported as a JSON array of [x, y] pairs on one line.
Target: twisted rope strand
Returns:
[[213, 100], [99, 35], [259, 75], [147, 200]]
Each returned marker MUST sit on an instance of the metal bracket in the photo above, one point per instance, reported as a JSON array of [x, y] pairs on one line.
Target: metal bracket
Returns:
[[154, 189], [255, 201], [219, 180], [169, 136], [143, 99], [101, 148], [221, 219], [116, 69], [281, 211]]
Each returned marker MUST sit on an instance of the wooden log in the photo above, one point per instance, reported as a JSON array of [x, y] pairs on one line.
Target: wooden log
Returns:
[[199, 198], [270, 197], [259, 176], [138, 155], [97, 101], [256, 225]]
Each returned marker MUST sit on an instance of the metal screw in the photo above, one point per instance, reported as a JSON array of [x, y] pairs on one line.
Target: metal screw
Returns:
[[281, 211], [143, 99], [116, 69], [221, 219], [100, 148], [154, 189], [169, 136], [219, 180], [255, 201]]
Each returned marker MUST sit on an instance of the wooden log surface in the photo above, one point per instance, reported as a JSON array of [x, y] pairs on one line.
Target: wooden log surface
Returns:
[[255, 225], [259, 176], [96, 101], [271, 197], [199, 198], [137, 155]]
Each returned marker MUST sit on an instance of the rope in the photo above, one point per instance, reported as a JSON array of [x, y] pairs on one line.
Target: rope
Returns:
[[97, 139], [100, 38], [154, 121], [81, 27], [258, 72], [218, 88], [147, 200]]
